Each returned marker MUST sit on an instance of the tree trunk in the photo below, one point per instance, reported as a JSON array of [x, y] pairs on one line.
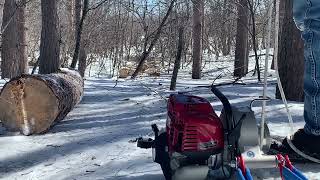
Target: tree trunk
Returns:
[[177, 62], [9, 40], [254, 38], [70, 5], [13, 51], [241, 52], [22, 42], [291, 57], [50, 37], [77, 17], [281, 16], [82, 61], [82, 52], [85, 10], [36, 64], [225, 30], [197, 43], [1, 10], [32, 103]]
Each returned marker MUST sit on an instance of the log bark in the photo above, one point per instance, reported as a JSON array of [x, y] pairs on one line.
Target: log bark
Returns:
[[31, 104]]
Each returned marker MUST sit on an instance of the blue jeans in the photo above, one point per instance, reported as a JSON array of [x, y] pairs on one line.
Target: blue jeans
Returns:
[[307, 18]]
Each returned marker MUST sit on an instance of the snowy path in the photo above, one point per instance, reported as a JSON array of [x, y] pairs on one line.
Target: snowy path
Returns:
[[93, 142]]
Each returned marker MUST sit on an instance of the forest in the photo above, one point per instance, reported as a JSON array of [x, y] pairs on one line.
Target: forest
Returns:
[[82, 82], [131, 36]]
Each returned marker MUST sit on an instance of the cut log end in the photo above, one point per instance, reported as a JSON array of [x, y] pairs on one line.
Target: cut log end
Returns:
[[30, 106]]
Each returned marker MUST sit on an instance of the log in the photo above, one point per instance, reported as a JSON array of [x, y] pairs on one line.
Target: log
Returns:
[[125, 72], [32, 104], [153, 72]]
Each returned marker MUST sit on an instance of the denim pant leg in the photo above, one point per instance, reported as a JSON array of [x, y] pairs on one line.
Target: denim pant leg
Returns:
[[307, 18]]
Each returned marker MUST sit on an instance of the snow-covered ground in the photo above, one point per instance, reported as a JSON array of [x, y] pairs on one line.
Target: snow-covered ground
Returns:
[[94, 140]]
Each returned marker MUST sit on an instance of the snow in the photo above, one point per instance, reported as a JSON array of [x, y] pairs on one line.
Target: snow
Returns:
[[94, 140]]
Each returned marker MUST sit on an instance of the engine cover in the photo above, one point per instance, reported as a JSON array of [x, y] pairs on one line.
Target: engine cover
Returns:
[[193, 127]]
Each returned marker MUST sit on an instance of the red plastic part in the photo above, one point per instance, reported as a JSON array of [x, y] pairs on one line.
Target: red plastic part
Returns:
[[284, 162], [281, 164], [192, 125], [288, 162], [242, 165]]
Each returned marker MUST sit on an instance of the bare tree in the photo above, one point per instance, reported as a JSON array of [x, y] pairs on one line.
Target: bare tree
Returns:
[[198, 7], [82, 60], [13, 51], [120, 33], [226, 32], [254, 36], [177, 62], [148, 50], [82, 52], [50, 36], [79, 31], [241, 52], [291, 58], [22, 42], [9, 41]]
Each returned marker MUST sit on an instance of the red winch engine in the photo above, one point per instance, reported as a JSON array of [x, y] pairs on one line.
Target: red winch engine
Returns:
[[196, 141], [193, 128]]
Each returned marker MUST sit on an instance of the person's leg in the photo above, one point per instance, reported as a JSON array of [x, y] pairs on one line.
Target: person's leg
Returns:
[[307, 17], [299, 12]]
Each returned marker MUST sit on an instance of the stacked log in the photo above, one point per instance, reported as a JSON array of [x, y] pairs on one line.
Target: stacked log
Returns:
[[125, 72], [31, 104], [153, 72], [150, 69]]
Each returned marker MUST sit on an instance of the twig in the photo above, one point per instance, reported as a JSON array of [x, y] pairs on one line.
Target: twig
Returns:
[[226, 84], [97, 5], [218, 77], [235, 82], [143, 85], [116, 83]]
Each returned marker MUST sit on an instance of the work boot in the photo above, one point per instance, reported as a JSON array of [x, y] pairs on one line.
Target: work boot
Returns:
[[308, 144]]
